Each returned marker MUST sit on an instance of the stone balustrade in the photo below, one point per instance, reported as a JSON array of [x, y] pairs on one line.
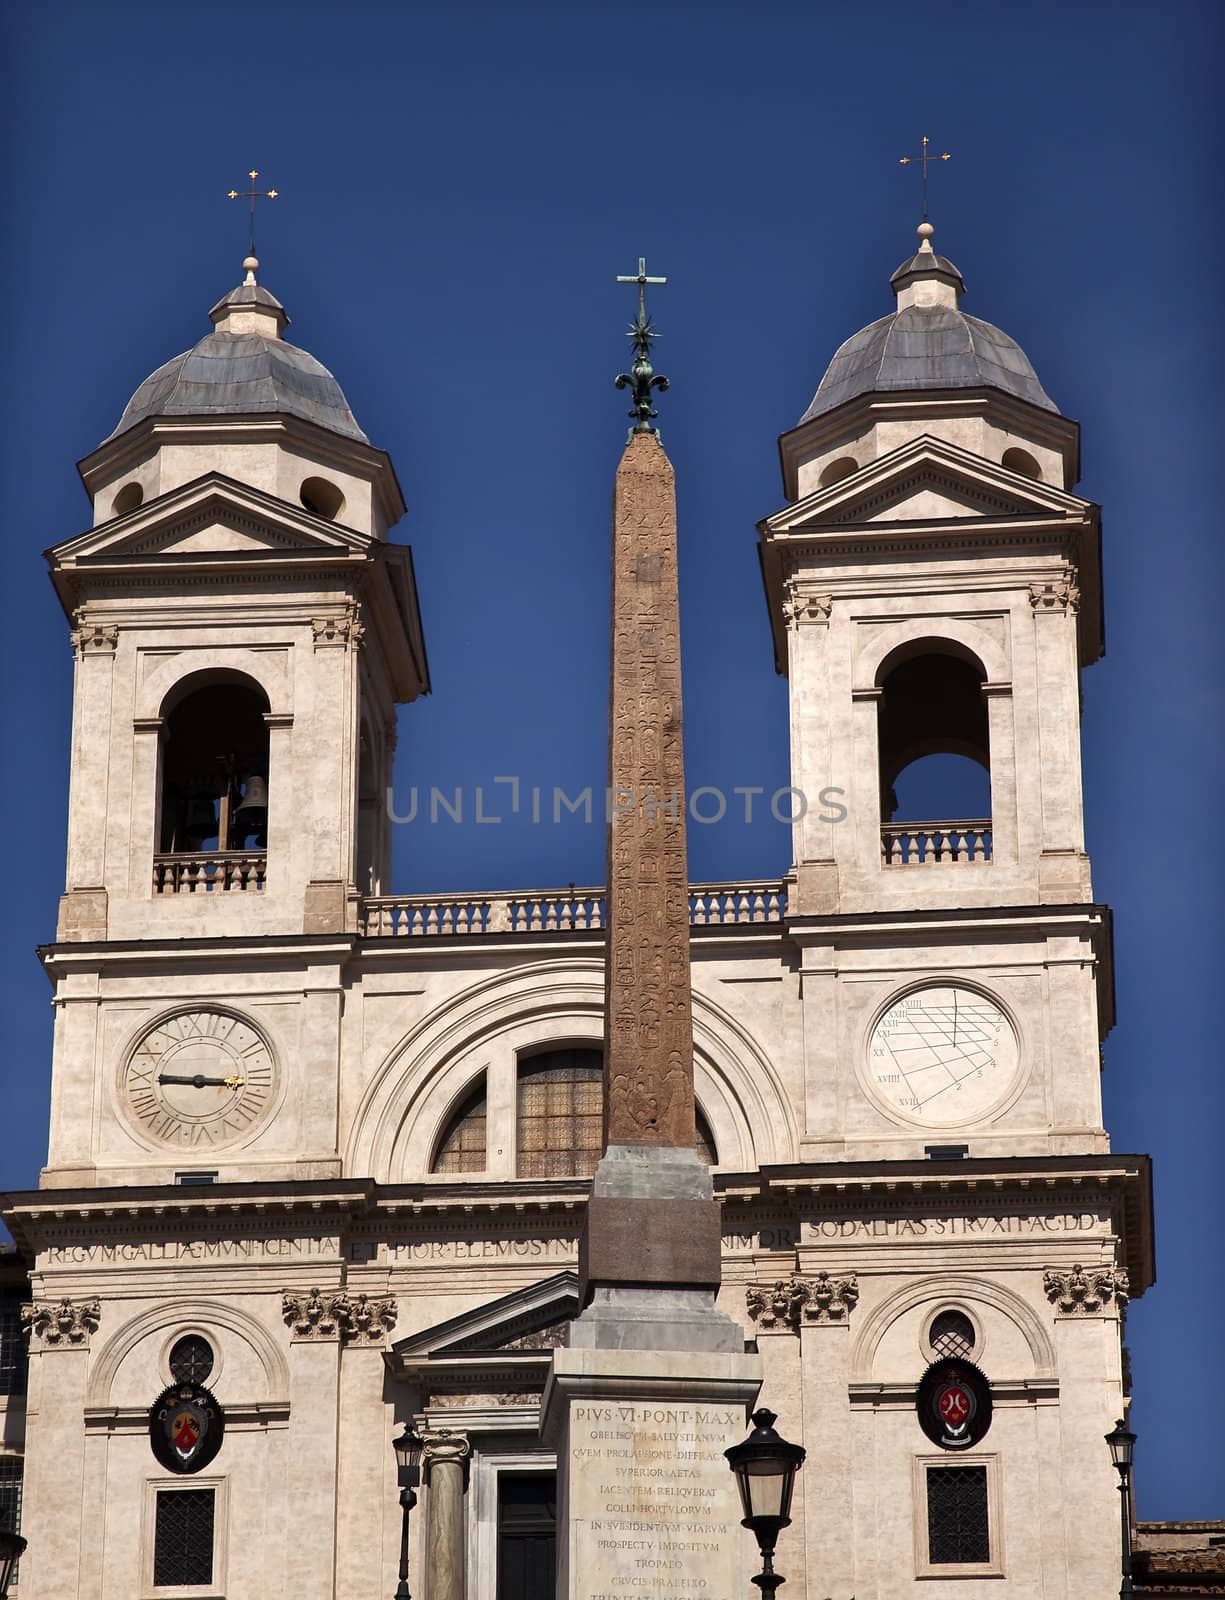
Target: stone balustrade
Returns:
[[555, 910], [931, 844], [210, 872]]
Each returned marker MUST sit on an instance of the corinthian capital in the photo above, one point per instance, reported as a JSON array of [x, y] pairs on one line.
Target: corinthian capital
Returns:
[[1081, 1293], [61, 1325]]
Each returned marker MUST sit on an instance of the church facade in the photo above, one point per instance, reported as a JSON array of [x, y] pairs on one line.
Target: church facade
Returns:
[[325, 1149]]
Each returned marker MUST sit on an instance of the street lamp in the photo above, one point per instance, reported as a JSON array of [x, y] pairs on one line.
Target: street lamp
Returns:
[[765, 1466], [408, 1453], [12, 1548], [1122, 1444]]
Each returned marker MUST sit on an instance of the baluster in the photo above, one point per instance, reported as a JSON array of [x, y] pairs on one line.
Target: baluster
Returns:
[[599, 910]]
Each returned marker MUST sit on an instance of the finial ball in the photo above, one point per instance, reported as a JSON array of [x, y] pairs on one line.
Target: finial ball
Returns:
[[250, 264], [925, 230]]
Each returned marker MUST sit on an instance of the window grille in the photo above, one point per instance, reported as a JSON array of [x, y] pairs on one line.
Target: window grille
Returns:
[[11, 1471], [463, 1145], [183, 1539], [957, 1523], [191, 1359], [952, 1334], [561, 1115], [14, 1358]]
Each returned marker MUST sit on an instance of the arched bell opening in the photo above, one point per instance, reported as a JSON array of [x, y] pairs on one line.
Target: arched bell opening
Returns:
[[368, 832], [934, 755], [214, 790]]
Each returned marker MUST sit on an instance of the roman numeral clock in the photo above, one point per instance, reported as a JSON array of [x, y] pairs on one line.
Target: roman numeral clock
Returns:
[[943, 1056], [198, 1080]]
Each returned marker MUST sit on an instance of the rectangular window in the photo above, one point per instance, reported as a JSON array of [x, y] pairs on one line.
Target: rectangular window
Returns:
[[183, 1537], [11, 1468], [14, 1361], [958, 1526]]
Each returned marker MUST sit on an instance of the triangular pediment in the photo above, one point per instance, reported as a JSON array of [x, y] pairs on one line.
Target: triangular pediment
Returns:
[[213, 517], [925, 481], [532, 1319]]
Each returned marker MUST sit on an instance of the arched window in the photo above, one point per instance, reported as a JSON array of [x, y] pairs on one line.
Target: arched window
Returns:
[[463, 1144], [834, 471], [932, 705], [952, 1334], [1017, 460], [560, 1111], [215, 767]]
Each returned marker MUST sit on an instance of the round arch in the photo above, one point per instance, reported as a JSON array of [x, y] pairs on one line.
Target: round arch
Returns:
[[178, 675], [885, 648], [423, 1079], [978, 1291], [201, 1314]]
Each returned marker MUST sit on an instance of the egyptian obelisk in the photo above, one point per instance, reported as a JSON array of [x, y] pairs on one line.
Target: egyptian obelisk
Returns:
[[654, 1383]]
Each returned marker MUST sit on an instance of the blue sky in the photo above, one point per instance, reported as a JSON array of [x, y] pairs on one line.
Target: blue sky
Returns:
[[458, 189]]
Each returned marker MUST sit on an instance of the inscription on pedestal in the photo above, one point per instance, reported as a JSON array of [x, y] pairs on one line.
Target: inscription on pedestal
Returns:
[[653, 1506]]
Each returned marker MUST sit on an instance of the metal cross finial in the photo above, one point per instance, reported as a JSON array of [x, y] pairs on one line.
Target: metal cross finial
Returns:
[[923, 158], [252, 194], [641, 279], [642, 378]]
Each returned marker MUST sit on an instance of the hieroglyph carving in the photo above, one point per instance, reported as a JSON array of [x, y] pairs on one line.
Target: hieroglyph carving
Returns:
[[65, 1325], [357, 1319], [649, 1023], [795, 1300], [1086, 1293]]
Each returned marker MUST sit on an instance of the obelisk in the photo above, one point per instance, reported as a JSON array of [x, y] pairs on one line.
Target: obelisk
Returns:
[[654, 1382]]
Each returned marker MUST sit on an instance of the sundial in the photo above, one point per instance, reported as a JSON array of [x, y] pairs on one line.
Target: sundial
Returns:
[[943, 1055]]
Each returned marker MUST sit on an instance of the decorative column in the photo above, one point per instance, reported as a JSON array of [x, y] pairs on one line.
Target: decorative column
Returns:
[[65, 1530], [444, 1455]]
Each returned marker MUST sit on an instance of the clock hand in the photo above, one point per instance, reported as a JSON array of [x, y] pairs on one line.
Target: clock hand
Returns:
[[199, 1081]]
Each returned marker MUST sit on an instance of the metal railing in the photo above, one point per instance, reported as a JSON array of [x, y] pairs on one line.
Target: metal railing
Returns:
[[931, 844], [555, 910], [210, 872]]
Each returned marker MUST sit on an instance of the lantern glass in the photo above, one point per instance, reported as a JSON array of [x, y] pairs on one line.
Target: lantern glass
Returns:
[[408, 1451], [12, 1546], [1122, 1444], [765, 1466]]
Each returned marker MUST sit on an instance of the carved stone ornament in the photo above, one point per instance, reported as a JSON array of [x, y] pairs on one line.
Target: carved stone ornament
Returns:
[[1063, 595], [1081, 1293], [344, 630], [445, 1445], [64, 1325], [800, 608], [357, 1319], [786, 1304], [91, 637]]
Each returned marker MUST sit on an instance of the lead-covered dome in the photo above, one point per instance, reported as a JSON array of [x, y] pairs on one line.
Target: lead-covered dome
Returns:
[[244, 368], [928, 342]]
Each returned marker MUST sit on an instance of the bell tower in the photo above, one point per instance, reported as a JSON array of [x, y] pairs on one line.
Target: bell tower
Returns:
[[243, 633], [934, 589]]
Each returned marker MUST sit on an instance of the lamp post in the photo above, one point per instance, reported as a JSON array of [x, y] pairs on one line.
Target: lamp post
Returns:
[[765, 1466], [408, 1453], [1122, 1444], [12, 1548]]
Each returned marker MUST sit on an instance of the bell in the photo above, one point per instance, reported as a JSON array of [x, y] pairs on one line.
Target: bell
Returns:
[[200, 821], [252, 813]]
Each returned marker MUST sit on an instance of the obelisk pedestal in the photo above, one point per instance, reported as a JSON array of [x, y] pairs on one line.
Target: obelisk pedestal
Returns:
[[654, 1383]]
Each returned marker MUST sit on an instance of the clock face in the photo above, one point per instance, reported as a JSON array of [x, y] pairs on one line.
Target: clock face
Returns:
[[943, 1056], [198, 1079]]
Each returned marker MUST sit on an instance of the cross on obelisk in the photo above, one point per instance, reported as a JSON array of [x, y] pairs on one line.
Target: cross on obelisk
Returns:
[[252, 194], [641, 279], [642, 377], [923, 158]]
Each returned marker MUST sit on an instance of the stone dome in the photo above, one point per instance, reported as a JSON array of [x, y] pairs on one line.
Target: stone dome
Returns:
[[244, 368], [928, 342]]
